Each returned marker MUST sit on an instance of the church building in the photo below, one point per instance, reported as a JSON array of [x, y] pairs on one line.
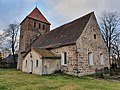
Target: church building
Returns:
[[75, 48]]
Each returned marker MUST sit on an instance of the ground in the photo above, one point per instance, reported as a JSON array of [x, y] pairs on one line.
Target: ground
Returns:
[[11, 79]]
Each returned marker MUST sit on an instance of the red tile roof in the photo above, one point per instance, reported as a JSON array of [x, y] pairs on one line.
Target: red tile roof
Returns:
[[63, 35], [37, 15]]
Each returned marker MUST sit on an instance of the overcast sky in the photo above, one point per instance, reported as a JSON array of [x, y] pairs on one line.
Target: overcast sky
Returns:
[[57, 12]]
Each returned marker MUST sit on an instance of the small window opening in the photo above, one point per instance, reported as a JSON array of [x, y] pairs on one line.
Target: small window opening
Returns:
[[34, 24], [43, 27], [64, 58], [21, 36], [26, 63], [94, 36], [36, 63], [39, 26]]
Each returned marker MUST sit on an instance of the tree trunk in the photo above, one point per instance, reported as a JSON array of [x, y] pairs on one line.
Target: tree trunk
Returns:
[[109, 47], [118, 60], [119, 63], [13, 52]]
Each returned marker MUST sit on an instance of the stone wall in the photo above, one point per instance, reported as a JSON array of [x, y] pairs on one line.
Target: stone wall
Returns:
[[77, 55], [71, 67], [41, 30], [23, 29], [90, 43], [28, 33]]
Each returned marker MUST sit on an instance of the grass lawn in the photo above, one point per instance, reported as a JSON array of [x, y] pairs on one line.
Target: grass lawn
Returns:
[[11, 79]]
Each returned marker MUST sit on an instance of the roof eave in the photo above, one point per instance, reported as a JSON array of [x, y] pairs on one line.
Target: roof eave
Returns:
[[51, 47], [54, 57], [39, 20], [34, 19]]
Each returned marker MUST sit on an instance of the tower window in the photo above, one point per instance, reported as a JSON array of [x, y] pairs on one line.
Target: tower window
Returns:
[[34, 24], [43, 27], [39, 26], [94, 36]]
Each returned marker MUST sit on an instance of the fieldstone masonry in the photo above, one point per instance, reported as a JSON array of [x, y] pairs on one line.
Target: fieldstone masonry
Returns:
[[77, 54], [89, 41], [28, 34]]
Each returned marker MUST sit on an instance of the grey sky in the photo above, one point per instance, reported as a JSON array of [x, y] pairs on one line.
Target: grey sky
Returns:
[[57, 12]]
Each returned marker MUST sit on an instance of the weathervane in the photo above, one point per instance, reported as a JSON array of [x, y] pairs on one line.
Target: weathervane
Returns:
[[36, 4]]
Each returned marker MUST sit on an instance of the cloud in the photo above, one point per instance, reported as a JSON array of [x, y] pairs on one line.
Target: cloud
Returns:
[[57, 12], [13, 11], [67, 10]]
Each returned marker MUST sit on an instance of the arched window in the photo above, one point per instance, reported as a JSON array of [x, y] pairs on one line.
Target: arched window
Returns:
[[101, 59], [90, 58]]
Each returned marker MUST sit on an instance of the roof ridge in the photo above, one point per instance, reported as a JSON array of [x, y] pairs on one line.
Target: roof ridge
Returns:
[[74, 20]]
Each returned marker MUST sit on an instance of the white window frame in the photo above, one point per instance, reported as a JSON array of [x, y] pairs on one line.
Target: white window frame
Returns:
[[63, 58], [90, 59], [101, 59]]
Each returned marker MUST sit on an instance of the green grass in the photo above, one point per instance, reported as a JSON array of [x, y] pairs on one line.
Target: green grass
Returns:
[[11, 79]]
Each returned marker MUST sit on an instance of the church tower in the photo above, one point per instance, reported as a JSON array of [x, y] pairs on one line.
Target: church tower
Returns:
[[34, 25]]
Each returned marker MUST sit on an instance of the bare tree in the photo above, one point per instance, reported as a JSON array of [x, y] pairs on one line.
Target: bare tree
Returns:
[[116, 50], [109, 24], [0, 40], [11, 34]]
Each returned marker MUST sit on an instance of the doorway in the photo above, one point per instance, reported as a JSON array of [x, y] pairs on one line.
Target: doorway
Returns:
[[31, 66]]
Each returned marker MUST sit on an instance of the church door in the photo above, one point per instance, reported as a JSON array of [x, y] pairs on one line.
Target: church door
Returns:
[[31, 66]]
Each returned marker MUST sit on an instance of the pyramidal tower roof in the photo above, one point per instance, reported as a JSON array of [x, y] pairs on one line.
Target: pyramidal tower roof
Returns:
[[37, 15]]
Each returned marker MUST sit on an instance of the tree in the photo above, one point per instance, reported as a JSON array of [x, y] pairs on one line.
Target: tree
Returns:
[[116, 49], [11, 34], [109, 24], [1, 41]]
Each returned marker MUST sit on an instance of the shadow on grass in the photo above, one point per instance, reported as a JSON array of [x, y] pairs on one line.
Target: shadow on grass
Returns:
[[67, 77]]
